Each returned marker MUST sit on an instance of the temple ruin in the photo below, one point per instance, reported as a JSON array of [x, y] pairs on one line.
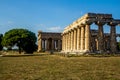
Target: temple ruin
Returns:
[[49, 41], [79, 38]]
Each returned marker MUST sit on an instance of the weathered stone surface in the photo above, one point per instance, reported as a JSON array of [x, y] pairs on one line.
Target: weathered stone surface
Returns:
[[49, 41], [86, 40]]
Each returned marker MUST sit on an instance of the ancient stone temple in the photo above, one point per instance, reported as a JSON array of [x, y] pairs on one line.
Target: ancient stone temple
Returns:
[[49, 41], [78, 36]]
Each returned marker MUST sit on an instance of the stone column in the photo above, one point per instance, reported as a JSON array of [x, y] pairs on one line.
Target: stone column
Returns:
[[63, 42], [69, 41], [87, 38], [59, 44], [53, 44], [78, 38], [75, 39], [113, 42], [93, 45], [44, 44], [96, 40], [72, 39], [66, 41], [39, 45], [82, 37], [100, 38], [47, 44]]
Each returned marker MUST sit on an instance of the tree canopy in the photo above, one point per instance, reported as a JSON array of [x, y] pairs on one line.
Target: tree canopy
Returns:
[[1, 47], [23, 38]]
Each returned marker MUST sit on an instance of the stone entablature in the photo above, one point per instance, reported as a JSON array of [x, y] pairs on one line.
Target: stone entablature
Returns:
[[47, 35], [77, 37], [90, 18]]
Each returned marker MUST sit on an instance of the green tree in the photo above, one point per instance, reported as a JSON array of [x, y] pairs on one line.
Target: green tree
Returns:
[[1, 47], [23, 38], [118, 45]]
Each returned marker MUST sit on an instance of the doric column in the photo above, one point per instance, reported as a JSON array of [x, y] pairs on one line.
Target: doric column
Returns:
[[39, 41], [66, 41], [96, 41], [93, 45], [44, 44], [78, 38], [87, 38], [69, 41], [39, 45], [72, 39], [47, 44], [75, 39], [59, 44], [100, 37], [53, 44], [62, 42], [113, 42], [82, 37]]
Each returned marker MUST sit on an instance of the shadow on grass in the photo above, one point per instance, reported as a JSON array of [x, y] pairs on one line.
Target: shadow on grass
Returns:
[[24, 55], [88, 55]]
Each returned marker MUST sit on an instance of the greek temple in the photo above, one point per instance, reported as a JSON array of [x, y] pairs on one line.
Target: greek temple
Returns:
[[78, 36]]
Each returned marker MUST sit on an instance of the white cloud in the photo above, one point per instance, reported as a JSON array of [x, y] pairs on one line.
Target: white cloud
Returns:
[[10, 22], [55, 29], [46, 28], [40, 25]]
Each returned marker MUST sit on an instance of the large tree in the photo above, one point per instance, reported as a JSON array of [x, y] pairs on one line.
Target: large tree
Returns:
[[23, 38], [1, 47], [118, 45]]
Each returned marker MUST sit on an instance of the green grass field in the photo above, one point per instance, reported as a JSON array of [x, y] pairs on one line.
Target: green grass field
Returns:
[[53, 67]]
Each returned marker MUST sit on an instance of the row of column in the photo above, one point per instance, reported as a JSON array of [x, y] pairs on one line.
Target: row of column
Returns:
[[79, 39], [49, 44]]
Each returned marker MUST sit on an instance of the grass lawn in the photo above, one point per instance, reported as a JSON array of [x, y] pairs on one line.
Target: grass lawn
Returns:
[[53, 67]]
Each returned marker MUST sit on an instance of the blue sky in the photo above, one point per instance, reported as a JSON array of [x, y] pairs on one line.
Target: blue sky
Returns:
[[51, 15]]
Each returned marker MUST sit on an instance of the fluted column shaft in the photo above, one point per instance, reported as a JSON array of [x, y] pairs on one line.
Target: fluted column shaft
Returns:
[[100, 38], [75, 40], [62, 42], [48, 44], [39, 45], [87, 38], [65, 42], [69, 40], [59, 44], [72, 40], [44, 44], [78, 38], [53, 44], [113, 42], [82, 37]]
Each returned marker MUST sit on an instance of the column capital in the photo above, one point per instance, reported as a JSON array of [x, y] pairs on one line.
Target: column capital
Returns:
[[100, 23], [113, 23], [87, 22]]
